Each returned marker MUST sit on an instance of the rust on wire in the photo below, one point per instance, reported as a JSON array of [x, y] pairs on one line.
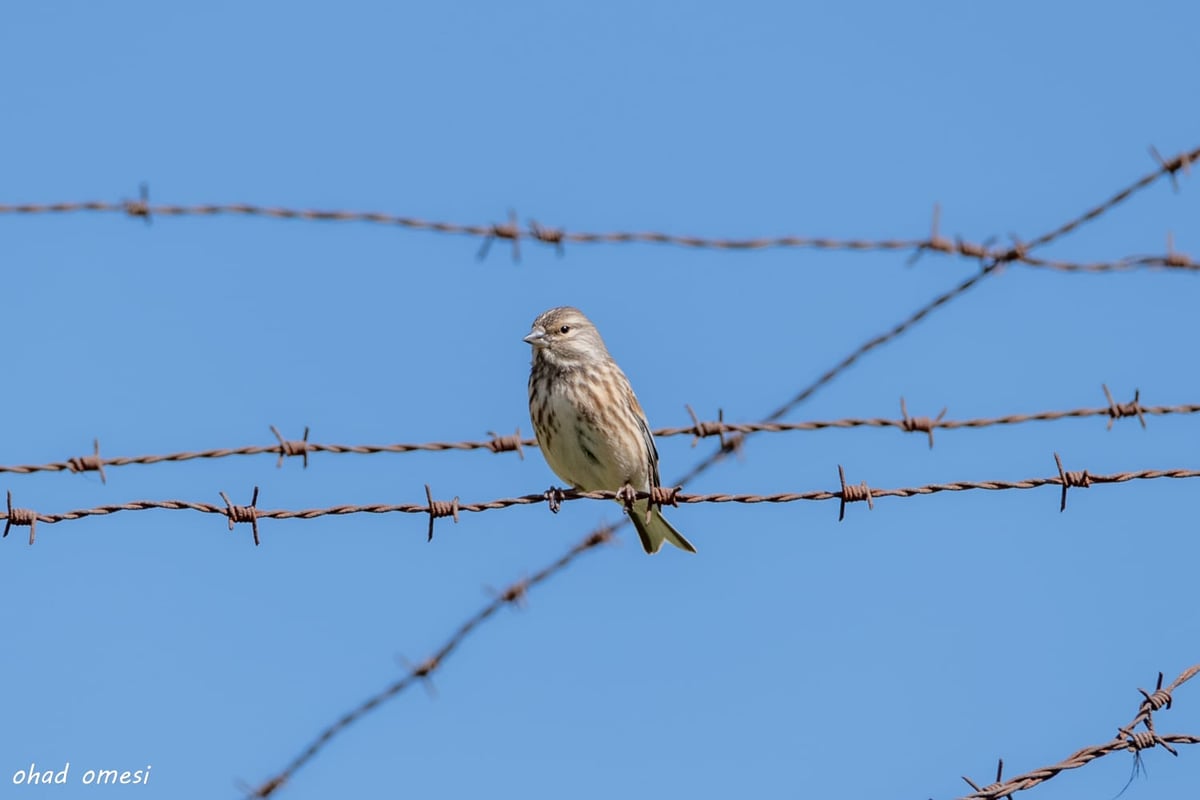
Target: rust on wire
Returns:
[[993, 785], [1161, 698], [20, 516], [1118, 410], [551, 236], [91, 463], [141, 206], [1127, 740], [507, 444], [439, 508], [852, 494], [698, 429], [512, 231], [292, 447], [919, 424], [1080, 479], [238, 514], [701, 430], [846, 493]]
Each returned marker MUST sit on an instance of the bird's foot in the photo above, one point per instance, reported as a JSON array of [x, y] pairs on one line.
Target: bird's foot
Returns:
[[554, 498]]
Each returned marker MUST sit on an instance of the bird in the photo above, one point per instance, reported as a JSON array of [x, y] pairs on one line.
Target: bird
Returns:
[[588, 422]]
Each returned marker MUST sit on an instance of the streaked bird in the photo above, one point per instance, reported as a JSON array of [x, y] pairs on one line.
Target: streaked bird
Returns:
[[588, 422]]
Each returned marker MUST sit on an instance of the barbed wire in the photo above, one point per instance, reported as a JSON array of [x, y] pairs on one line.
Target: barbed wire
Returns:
[[589, 543], [1127, 739], [554, 497], [512, 231], [699, 429]]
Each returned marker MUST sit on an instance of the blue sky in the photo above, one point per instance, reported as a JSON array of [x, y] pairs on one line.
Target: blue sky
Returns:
[[793, 656]]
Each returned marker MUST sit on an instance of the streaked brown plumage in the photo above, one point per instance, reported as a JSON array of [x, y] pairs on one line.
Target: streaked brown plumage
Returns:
[[589, 425]]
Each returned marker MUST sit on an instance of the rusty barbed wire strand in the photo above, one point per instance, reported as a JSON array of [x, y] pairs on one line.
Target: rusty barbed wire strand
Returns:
[[699, 429], [1127, 739], [659, 496], [513, 232]]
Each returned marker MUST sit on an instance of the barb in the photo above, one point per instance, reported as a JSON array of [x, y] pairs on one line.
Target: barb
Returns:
[[442, 508], [514, 232], [1127, 739]]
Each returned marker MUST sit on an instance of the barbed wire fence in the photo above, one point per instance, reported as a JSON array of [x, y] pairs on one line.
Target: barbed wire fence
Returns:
[[699, 429], [514, 232], [554, 497], [731, 435]]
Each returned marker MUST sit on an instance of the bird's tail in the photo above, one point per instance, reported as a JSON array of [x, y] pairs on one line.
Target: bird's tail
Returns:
[[657, 530]]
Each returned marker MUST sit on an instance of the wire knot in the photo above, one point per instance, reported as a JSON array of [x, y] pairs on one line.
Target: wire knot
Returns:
[[141, 206], [852, 494], [602, 536], [440, 508], [92, 463], [505, 444], [703, 429], [426, 667], [664, 495], [1174, 258], [20, 516], [1145, 740], [510, 230], [552, 236], [1118, 410], [516, 593], [1157, 700], [292, 447], [991, 788], [935, 241], [1182, 161], [248, 513], [921, 424], [1079, 479], [1018, 252], [1161, 698]]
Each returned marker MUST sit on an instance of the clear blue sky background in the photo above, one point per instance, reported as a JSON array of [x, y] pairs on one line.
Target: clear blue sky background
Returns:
[[794, 656]]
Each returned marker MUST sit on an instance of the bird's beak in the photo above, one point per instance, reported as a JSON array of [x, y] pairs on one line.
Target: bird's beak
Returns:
[[536, 337]]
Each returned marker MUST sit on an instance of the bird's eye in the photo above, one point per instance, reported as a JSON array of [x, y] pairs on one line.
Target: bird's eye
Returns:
[[565, 329]]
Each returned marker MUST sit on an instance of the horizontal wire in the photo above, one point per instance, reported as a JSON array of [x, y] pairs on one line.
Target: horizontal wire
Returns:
[[513, 232], [658, 496], [698, 429]]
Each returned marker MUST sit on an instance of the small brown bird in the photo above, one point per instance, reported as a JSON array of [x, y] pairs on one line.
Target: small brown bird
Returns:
[[589, 425]]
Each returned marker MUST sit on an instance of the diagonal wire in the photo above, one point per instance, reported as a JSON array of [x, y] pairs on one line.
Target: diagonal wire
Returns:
[[1125, 740]]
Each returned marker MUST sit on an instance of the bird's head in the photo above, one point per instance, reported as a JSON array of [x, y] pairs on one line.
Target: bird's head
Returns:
[[566, 338]]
